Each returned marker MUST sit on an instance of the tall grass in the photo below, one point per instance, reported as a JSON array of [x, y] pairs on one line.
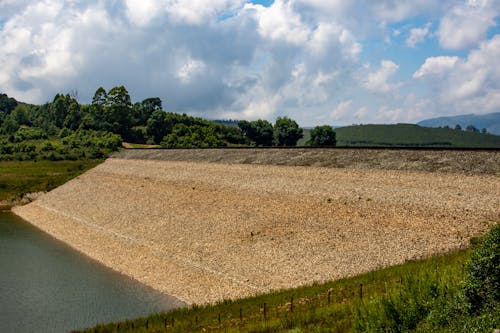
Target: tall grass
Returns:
[[413, 296], [20, 177]]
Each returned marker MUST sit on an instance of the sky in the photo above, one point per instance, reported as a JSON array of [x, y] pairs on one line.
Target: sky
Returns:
[[336, 62]]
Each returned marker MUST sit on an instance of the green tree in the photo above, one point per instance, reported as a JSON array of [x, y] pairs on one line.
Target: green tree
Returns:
[[323, 136], [74, 116], [118, 111], [157, 126], [7, 104], [458, 127], [471, 128], [145, 109], [97, 108], [59, 109], [287, 132], [259, 131]]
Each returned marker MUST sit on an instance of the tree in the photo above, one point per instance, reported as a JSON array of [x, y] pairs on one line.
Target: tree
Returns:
[[287, 132], [458, 127], [484, 130], [145, 109], [7, 104], [471, 128], [323, 136], [118, 111], [259, 131], [156, 127], [74, 116]]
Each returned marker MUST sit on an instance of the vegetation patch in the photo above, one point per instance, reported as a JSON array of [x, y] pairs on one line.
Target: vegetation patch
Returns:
[[422, 296], [18, 178]]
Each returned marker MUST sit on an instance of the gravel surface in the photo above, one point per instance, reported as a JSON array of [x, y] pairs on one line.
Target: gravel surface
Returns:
[[455, 161], [204, 232]]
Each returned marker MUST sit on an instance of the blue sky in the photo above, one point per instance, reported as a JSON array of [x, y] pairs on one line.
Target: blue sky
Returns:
[[320, 62]]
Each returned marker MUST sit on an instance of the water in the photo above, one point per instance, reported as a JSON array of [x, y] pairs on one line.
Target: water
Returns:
[[45, 286]]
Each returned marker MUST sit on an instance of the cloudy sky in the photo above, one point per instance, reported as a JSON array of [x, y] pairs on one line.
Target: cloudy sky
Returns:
[[318, 61]]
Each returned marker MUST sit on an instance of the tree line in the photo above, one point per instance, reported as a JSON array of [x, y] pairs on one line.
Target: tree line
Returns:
[[112, 117]]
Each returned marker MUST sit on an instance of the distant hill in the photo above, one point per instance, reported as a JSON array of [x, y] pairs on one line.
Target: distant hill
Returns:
[[407, 135], [490, 121]]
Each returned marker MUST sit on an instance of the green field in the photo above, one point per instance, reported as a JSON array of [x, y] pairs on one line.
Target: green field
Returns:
[[20, 177], [419, 296], [407, 135]]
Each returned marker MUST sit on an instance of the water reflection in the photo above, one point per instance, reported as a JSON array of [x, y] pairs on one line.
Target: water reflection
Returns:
[[45, 286]]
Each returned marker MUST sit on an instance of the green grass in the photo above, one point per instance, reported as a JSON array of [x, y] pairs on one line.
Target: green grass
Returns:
[[412, 135], [339, 306], [19, 177]]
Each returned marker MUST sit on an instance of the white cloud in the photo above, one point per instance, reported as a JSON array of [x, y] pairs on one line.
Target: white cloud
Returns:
[[281, 22], [190, 69], [362, 113], [341, 110], [466, 85], [466, 24], [418, 35], [232, 58], [377, 81], [436, 66]]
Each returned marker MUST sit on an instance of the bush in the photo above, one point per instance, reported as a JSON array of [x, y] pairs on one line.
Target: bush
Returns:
[[482, 279]]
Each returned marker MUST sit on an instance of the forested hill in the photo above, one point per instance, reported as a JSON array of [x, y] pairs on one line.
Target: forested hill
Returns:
[[408, 135], [65, 129]]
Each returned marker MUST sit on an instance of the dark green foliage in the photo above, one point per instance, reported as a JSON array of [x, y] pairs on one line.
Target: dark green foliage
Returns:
[[323, 136], [443, 300], [144, 110], [141, 123], [482, 279], [287, 132], [29, 133], [33, 144], [7, 104], [261, 132], [193, 136], [118, 112], [158, 126]]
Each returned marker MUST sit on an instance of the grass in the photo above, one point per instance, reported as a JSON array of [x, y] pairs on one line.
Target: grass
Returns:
[[412, 135], [20, 177], [408, 293]]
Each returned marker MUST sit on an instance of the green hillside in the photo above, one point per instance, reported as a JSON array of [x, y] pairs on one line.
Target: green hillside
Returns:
[[407, 135]]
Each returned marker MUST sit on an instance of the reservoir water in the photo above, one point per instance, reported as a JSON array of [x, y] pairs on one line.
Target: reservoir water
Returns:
[[46, 286]]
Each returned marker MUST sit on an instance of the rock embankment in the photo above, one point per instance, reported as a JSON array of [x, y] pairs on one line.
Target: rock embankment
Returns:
[[204, 232], [428, 160]]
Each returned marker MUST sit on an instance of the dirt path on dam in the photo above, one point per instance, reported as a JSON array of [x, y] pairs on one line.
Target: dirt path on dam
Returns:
[[204, 232]]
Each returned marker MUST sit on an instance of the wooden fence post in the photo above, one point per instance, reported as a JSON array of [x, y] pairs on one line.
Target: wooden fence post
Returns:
[[265, 312], [329, 296], [291, 304], [360, 291]]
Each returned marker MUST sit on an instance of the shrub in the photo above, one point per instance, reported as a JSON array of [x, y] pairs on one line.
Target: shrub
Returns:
[[482, 279]]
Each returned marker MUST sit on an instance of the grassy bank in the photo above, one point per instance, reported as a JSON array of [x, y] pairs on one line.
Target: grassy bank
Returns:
[[20, 177], [422, 296]]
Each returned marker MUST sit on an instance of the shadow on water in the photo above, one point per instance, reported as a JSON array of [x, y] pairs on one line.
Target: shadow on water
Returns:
[[46, 286]]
